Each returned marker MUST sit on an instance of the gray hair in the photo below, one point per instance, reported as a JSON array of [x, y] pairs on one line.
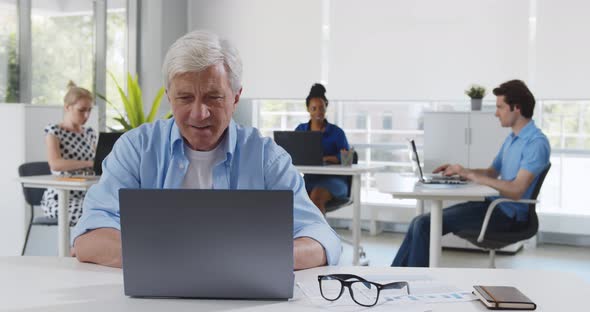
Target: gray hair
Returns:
[[198, 50]]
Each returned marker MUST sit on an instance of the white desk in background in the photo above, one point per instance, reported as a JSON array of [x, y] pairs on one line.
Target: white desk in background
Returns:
[[405, 186], [355, 189], [63, 284], [62, 187]]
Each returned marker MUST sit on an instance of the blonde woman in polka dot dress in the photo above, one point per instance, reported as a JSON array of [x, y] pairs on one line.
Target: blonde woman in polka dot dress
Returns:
[[70, 149]]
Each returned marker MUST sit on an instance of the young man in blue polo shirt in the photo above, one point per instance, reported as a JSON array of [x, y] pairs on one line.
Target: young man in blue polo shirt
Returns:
[[514, 173]]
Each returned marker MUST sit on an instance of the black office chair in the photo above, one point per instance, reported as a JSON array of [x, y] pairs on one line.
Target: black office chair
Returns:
[[33, 196], [337, 203], [493, 241]]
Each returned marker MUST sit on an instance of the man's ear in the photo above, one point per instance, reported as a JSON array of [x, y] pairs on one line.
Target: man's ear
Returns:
[[237, 98]]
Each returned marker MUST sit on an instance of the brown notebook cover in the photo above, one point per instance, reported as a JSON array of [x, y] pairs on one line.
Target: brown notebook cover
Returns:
[[503, 297]]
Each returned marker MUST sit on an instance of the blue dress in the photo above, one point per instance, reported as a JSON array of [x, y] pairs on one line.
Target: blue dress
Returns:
[[333, 140]]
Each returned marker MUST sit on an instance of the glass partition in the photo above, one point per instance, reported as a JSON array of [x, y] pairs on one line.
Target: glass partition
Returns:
[[9, 77]]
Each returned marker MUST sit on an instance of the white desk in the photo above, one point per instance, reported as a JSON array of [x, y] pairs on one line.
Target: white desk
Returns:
[[355, 189], [405, 186], [62, 187], [63, 284]]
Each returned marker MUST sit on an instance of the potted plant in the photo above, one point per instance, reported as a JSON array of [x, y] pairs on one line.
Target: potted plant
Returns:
[[476, 93], [133, 115]]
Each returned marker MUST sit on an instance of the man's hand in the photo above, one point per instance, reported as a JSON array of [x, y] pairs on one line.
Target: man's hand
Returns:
[[100, 246], [308, 253], [450, 170]]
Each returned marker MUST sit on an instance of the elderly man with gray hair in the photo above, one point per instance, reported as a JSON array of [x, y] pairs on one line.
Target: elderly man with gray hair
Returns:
[[200, 148]]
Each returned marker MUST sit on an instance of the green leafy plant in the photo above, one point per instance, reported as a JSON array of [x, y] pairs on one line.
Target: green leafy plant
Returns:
[[476, 91], [134, 116]]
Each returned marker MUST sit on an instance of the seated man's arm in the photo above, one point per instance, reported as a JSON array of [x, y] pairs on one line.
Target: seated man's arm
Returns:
[[101, 246], [315, 242], [514, 189], [308, 253], [511, 189], [96, 238], [533, 160], [456, 169]]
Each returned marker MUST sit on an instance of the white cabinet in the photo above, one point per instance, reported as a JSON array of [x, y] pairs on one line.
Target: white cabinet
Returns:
[[471, 139], [22, 137]]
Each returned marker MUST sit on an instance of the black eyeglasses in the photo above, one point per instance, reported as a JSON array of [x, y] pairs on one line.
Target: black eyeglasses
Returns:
[[362, 291]]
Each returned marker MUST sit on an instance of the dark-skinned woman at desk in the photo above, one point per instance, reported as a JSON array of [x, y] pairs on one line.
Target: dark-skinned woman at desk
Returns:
[[70, 149], [323, 188]]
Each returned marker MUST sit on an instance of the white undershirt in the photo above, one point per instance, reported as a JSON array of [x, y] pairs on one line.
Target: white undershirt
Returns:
[[199, 174]]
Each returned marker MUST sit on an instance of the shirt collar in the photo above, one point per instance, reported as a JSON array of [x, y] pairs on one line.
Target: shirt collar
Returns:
[[526, 131], [328, 125], [229, 143]]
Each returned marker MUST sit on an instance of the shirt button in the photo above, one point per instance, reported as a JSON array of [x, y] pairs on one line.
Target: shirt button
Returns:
[[181, 166]]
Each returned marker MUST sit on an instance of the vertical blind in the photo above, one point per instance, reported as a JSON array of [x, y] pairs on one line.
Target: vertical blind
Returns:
[[396, 49], [563, 49], [279, 42]]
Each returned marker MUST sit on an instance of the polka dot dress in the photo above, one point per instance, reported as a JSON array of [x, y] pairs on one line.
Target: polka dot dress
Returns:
[[76, 146]]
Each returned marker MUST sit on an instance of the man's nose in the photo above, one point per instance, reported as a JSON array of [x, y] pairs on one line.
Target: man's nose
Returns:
[[199, 111]]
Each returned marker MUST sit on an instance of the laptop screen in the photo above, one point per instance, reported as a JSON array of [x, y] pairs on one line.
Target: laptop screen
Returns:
[[106, 141], [417, 160], [305, 147]]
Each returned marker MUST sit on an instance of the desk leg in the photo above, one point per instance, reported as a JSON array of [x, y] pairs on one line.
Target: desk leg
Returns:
[[356, 218], [63, 224], [419, 207], [435, 233]]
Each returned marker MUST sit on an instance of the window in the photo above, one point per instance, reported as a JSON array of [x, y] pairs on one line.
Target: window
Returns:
[[62, 38], [378, 130], [116, 65], [9, 82]]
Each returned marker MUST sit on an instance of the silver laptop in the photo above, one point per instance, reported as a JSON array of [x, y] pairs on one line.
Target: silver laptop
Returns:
[[433, 179], [235, 244]]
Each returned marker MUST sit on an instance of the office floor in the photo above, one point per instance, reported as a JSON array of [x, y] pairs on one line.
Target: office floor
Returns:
[[381, 249]]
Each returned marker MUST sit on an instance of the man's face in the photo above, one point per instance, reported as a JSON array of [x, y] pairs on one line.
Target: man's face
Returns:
[[203, 104], [507, 117]]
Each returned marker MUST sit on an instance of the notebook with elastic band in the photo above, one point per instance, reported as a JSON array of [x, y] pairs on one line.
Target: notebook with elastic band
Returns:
[[503, 298]]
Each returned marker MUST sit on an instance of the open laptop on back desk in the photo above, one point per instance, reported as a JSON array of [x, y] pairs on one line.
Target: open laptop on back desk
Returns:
[[433, 179], [235, 244], [106, 141], [305, 147]]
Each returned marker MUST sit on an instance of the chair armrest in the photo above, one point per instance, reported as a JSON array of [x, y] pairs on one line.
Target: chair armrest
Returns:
[[493, 205]]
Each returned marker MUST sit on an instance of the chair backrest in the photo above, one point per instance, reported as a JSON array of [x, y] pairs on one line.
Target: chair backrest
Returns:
[[33, 195], [532, 207]]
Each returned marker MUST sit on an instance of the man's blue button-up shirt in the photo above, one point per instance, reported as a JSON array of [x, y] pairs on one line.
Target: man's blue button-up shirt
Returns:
[[152, 156], [529, 150]]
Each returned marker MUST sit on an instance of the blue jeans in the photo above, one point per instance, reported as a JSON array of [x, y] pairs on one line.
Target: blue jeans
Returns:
[[414, 250]]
